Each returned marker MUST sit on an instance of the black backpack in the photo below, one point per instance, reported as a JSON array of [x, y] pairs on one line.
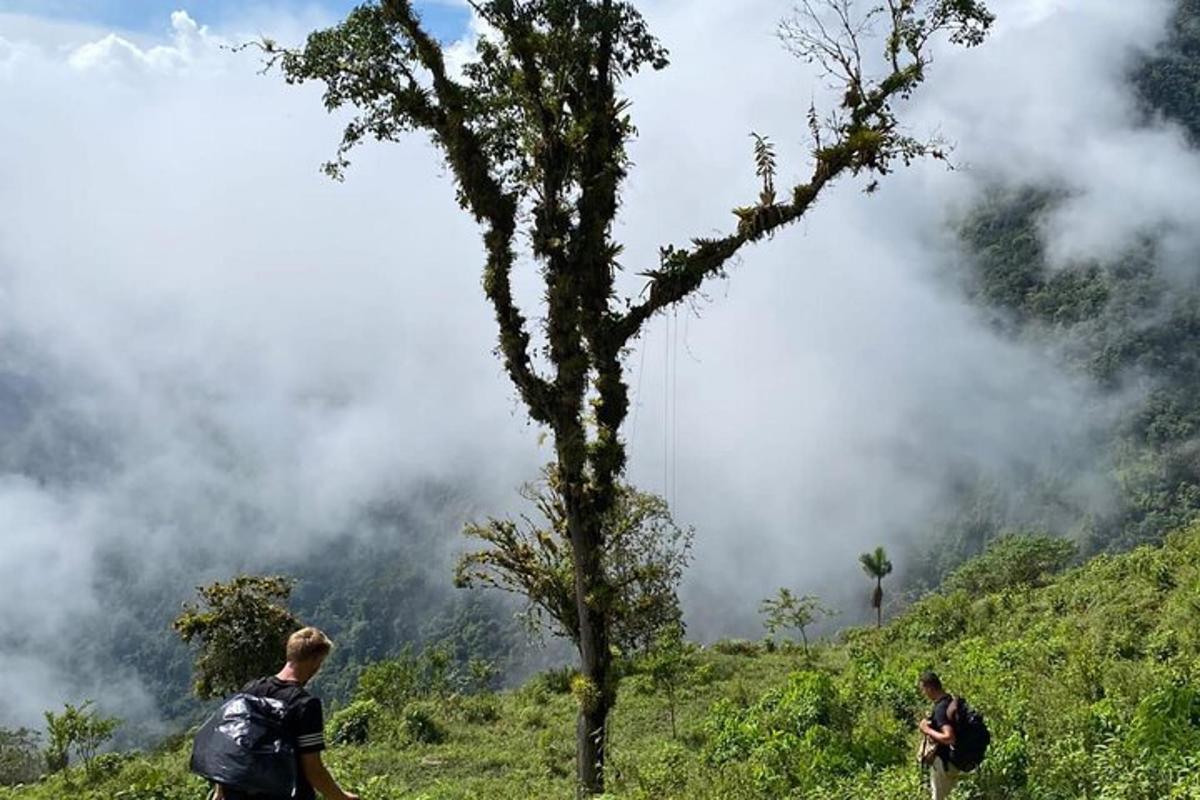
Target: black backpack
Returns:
[[971, 735], [243, 746]]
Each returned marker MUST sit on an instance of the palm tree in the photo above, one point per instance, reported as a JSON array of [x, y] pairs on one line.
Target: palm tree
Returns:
[[878, 567]]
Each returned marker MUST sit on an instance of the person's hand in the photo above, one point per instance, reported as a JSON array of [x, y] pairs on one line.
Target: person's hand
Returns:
[[924, 727], [351, 796]]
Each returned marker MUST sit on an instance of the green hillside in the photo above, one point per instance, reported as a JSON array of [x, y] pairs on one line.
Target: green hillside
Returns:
[[1088, 681]]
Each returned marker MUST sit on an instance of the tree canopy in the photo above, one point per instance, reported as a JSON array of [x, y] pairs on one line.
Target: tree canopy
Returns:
[[644, 562], [240, 630]]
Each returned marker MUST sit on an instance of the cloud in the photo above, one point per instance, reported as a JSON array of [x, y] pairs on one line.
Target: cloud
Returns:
[[205, 341], [1056, 106], [115, 52], [837, 388]]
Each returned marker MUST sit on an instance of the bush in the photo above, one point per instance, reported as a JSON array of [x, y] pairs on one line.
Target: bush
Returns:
[[352, 724], [661, 772], [419, 723], [1012, 561], [479, 709], [80, 729], [735, 733], [533, 717], [879, 739], [1165, 725], [432, 672], [737, 647], [557, 680], [108, 764], [557, 756], [390, 684]]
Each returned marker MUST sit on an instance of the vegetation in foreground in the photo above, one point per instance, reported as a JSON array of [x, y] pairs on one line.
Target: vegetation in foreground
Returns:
[[1088, 680]]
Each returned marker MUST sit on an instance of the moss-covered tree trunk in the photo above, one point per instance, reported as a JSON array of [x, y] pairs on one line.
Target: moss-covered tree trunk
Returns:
[[597, 696], [594, 691]]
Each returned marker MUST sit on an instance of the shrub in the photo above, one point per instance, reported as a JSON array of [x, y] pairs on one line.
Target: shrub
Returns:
[[737, 647], [108, 764], [533, 717], [420, 724], [557, 680], [432, 672], [879, 739], [390, 683], [556, 755], [806, 700], [1166, 725], [479, 709], [352, 724], [1012, 561], [663, 771]]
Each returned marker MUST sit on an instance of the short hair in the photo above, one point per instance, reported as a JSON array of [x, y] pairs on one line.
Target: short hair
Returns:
[[930, 679], [307, 644]]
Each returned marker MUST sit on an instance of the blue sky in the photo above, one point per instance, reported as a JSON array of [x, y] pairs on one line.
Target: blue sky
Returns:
[[152, 16]]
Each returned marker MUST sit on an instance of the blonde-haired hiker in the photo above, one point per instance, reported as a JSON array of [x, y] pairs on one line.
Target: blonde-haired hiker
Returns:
[[303, 723]]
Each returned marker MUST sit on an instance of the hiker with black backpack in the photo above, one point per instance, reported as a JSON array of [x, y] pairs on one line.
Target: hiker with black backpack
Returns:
[[956, 737], [265, 742]]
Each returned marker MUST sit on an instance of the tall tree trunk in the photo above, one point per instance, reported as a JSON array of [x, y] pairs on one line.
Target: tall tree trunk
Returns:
[[878, 602], [595, 658]]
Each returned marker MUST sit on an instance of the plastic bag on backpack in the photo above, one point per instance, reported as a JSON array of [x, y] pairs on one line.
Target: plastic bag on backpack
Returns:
[[243, 746]]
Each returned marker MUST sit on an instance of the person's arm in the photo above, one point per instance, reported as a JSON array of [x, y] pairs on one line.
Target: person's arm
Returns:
[[310, 741], [316, 774], [944, 736]]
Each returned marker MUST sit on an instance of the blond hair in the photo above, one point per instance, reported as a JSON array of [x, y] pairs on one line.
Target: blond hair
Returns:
[[307, 644]]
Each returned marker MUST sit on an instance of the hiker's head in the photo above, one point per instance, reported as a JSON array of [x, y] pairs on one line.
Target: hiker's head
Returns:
[[306, 651], [931, 685]]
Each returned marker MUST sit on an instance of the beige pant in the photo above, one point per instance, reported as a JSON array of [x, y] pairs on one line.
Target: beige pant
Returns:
[[942, 778]]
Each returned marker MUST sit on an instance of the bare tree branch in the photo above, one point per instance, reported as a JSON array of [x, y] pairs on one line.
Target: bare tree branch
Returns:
[[863, 135]]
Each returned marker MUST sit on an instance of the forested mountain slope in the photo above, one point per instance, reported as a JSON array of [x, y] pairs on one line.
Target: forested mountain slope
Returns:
[[377, 590], [1128, 324]]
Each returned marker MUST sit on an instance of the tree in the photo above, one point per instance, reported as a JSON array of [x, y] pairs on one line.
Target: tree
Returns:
[[59, 729], [534, 131], [81, 729], [644, 559], [241, 630], [21, 759], [877, 566], [788, 611], [670, 663]]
